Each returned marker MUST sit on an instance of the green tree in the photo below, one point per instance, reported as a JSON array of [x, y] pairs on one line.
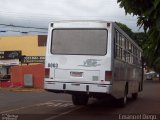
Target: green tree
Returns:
[[126, 29], [148, 13], [139, 37]]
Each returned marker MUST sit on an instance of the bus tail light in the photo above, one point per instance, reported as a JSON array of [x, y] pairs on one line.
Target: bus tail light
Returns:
[[108, 75], [47, 72]]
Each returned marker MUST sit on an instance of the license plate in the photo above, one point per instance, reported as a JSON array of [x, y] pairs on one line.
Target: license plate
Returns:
[[76, 74]]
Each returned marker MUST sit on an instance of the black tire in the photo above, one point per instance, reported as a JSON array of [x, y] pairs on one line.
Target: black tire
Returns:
[[80, 99], [134, 96]]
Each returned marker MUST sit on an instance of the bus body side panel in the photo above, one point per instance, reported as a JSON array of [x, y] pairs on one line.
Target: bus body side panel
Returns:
[[119, 79], [125, 74], [118, 70], [134, 78]]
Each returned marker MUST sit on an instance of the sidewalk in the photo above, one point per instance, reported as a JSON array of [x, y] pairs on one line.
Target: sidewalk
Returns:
[[21, 89]]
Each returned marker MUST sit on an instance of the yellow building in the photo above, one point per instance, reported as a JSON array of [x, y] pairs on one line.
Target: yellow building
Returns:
[[29, 45], [16, 50]]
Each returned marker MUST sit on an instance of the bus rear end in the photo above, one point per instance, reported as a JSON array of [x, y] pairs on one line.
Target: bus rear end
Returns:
[[78, 60]]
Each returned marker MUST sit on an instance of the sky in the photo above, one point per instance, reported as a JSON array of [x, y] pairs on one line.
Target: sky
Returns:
[[39, 13]]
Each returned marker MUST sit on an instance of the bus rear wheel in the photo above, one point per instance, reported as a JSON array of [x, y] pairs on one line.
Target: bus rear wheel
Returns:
[[80, 99]]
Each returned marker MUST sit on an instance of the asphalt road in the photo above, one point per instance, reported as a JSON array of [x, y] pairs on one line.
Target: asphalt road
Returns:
[[50, 106]]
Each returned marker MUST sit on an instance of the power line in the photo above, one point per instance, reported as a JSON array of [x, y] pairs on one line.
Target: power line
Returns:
[[24, 32], [19, 26]]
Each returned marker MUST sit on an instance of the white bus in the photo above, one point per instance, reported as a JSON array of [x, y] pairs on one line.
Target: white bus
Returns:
[[92, 59]]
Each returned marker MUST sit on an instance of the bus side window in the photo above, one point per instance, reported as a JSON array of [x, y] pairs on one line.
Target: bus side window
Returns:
[[123, 48], [116, 44]]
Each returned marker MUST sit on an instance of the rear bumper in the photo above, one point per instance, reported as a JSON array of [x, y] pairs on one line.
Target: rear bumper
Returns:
[[70, 87]]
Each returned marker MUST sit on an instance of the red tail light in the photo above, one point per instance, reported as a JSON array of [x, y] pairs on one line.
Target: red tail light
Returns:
[[108, 75], [47, 72]]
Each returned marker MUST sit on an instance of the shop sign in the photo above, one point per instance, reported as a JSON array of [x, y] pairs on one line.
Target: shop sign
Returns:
[[10, 54], [9, 62], [33, 59]]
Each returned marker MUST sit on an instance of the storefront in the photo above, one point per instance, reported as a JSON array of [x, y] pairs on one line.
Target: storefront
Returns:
[[8, 59], [20, 55]]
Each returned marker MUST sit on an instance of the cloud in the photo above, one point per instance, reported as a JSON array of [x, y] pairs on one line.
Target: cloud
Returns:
[[41, 12]]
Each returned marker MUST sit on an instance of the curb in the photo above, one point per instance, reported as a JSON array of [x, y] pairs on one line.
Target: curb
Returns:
[[22, 89]]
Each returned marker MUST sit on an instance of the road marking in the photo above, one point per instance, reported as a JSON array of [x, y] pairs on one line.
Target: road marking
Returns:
[[66, 105], [57, 104], [64, 113], [39, 104], [49, 103]]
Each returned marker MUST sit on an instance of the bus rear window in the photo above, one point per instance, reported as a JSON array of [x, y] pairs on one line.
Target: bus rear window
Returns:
[[79, 41]]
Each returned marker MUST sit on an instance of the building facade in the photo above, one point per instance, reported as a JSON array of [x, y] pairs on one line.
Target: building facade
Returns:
[[19, 50]]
